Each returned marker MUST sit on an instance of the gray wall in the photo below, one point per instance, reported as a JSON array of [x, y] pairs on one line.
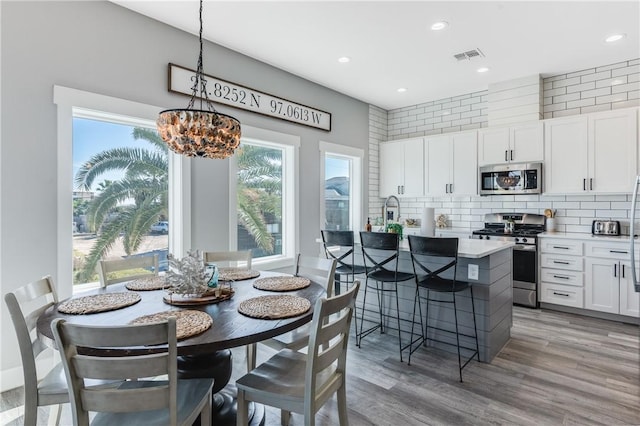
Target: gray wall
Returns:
[[102, 48]]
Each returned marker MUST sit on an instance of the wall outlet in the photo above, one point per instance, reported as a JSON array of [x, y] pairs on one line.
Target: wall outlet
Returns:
[[473, 271]]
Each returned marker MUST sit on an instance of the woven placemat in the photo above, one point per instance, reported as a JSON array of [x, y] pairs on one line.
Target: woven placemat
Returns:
[[98, 303], [188, 322], [281, 283], [153, 282], [274, 307], [237, 274]]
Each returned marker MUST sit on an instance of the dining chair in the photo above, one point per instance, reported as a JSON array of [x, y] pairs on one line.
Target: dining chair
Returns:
[[318, 270], [132, 264], [381, 252], [435, 263], [239, 259], [52, 388], [297, 382], [139, 399]]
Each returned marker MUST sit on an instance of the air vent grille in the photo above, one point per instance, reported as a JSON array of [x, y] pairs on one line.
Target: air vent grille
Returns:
[[468, 55]]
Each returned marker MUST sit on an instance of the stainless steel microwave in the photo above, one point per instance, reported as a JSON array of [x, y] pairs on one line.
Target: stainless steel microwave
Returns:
[[511, 179]]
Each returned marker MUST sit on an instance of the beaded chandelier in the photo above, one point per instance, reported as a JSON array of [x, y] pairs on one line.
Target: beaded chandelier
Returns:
[[199, 132]]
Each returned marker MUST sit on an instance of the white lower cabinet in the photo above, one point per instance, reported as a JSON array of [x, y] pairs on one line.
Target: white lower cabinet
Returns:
[[561, 272], [560, 294]]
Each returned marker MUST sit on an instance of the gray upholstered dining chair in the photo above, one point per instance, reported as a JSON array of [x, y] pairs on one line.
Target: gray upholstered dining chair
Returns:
[[297, 382], [50, 390], [139, 399], [132, 263], [321, 271]]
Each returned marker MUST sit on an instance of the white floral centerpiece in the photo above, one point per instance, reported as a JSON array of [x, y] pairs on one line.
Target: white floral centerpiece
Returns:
[[188, 276]]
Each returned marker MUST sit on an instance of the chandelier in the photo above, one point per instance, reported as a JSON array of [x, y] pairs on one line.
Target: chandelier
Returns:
[[199, 132]]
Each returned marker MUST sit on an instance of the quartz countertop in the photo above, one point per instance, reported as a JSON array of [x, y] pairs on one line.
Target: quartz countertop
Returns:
[[586, 237], [472, 249]]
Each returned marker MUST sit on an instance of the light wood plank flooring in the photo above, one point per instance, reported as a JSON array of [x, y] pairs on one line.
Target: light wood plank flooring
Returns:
[[558, 369]]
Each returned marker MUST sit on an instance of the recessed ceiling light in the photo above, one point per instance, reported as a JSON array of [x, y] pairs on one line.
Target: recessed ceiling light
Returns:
[[402, 89], [440, 25], [483, 69], [614, 37], [344, 59]]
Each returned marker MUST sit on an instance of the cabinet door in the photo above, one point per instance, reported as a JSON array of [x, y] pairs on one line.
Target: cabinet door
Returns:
[[493, 146], [465, 164], [602, 288], [629, 298], [391, 156], [527, 143], [565, 155], [413, 169], [612, 140], [439, 164]]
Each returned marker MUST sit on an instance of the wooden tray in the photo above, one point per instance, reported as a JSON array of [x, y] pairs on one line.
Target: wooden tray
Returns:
[[190, 300]]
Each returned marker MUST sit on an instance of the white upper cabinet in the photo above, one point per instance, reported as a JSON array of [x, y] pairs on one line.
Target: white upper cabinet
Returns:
[[596, 153], [402, 168], [515, 144], [452, 167]]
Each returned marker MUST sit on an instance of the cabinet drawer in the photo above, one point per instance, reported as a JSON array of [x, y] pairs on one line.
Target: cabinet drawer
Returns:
[[609, 250], [561, 246], [555, 261], [562, 295], [557, 276]]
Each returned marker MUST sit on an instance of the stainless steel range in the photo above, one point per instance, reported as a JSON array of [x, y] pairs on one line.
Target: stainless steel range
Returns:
[[521, 228]]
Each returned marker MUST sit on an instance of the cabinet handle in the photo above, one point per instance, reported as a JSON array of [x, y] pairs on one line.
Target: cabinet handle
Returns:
[[561, 277], [623, 272], [446, 188], [560, 263], [511, 155], [506, 158], [402, 187], [561, 247], [560, 294], [619, 251], [615, 270], [591, 184], [584, 184]]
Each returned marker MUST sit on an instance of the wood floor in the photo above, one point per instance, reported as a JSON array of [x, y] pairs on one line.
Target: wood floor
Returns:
[[557, 369]]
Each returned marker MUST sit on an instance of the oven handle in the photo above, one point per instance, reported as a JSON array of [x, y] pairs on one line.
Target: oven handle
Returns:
[[524, 247]]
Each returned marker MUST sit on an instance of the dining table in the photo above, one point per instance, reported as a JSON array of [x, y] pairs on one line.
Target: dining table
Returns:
[[229, 328]]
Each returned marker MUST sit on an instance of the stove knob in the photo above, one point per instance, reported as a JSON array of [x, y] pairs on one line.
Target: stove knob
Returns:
[[487, 237], [517, 239], [524, 240]]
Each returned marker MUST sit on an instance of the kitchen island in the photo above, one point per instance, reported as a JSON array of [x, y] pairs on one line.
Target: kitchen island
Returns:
[[485, 264]]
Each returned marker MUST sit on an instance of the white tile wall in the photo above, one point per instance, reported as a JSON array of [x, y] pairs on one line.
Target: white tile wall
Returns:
[[574, 212]]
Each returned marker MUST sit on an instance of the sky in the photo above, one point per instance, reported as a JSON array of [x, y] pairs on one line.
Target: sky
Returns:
[[335, 167]]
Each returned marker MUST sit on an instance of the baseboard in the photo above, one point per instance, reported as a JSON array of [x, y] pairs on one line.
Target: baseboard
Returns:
[[590, 313]]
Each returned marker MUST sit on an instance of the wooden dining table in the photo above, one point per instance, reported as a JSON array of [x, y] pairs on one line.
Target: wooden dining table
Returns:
[[230, 328]]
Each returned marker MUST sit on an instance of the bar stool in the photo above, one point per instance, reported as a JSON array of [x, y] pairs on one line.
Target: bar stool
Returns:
[[380, 251], [436, 257]]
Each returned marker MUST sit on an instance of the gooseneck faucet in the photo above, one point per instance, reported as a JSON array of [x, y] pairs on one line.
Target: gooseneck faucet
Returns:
[[386, 206]]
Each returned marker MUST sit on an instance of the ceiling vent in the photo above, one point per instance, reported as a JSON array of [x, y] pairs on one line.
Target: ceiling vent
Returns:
[[470, 54]]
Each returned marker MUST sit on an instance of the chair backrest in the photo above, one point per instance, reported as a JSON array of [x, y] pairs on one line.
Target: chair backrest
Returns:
[[239, 259], [344, 239], [380, 250], [328, 343], [69, 337], [133, 264], [321, 271], [37, 297], [441, 253]]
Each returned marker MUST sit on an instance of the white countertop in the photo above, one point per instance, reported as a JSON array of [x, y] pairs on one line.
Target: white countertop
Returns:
[[586, 237], [472, 249]]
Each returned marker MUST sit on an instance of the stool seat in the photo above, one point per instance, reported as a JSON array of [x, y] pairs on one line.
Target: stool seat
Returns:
[[443, 285], [350, 270], [390, 276]]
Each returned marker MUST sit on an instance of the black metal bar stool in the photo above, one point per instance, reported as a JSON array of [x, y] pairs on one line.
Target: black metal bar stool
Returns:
[[380, 251], [432, 258]]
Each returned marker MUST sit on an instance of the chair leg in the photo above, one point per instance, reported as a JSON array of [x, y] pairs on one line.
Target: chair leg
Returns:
[[55, 412], [475, 328], [242, 414], [342, 405], [380, 305], [364, 302], [416, 300], [205, 414], [251, 356], [426, 321], [285, 417], [398, 317], [455, 314]]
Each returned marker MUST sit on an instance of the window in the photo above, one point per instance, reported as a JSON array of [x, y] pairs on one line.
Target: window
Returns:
[[263, 196], [342, 195], [72, 103]]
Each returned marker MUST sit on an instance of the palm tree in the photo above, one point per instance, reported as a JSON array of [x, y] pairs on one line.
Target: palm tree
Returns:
[[145, 182]]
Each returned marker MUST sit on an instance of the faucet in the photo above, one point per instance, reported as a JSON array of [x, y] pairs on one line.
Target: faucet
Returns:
[[386, 206]]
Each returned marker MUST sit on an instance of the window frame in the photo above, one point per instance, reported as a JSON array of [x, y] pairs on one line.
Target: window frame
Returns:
[[356, 181], [77, 103], [290, 144]]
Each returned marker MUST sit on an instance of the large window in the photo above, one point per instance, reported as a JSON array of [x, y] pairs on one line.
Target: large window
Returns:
[[342, 195], [264, 189]]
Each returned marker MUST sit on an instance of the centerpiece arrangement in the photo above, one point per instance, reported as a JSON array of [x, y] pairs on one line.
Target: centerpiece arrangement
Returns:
[[191, 282]]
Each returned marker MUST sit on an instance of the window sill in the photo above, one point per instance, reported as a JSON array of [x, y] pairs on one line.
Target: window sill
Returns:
[[270, 264]]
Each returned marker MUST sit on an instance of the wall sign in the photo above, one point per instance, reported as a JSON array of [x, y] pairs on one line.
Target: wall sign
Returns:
[[224, 92]]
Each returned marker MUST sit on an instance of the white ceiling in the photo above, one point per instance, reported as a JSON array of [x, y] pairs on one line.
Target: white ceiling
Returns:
[[391, 45]]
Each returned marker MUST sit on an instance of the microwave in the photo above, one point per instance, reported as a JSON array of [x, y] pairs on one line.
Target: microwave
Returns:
[[511, 179]]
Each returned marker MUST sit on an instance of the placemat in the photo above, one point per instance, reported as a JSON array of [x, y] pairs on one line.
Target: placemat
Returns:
[[98, 303], [281, 283], [153, 282], [274, 307], [237, 274], [188, 322]]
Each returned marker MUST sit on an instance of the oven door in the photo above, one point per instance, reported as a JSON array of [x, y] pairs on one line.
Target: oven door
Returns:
[[525, 275]]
